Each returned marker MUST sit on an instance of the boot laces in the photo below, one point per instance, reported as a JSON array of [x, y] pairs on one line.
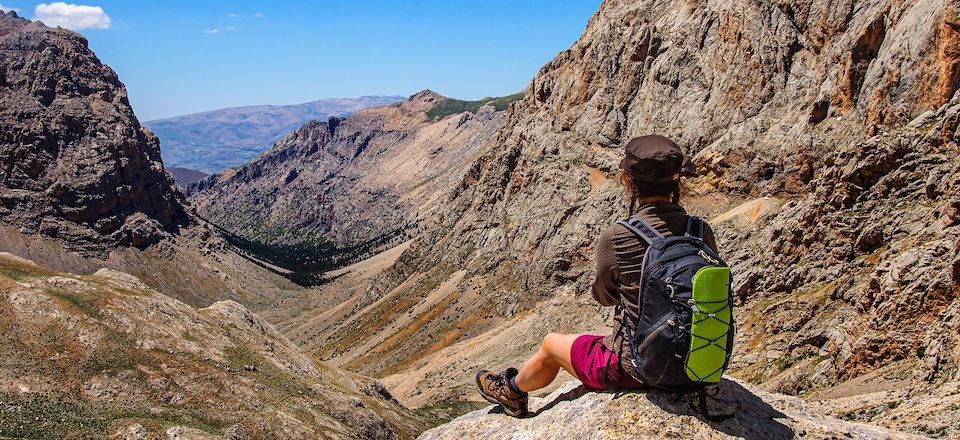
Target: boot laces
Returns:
[[500, 382]]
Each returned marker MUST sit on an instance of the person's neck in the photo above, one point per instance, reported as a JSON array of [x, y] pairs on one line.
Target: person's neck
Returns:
[[651, 200]]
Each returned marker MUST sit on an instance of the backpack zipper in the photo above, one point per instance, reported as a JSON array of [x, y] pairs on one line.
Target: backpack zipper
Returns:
[[706, 257], [661, 324]]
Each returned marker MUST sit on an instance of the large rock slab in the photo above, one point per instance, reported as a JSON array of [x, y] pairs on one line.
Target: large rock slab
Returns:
[[572, 413]]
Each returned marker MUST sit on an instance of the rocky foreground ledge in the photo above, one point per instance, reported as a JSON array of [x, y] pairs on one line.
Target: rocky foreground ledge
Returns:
[[571, 413]]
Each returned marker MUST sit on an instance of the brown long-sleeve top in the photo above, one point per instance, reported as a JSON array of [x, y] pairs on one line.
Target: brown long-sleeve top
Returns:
[[620, 257]]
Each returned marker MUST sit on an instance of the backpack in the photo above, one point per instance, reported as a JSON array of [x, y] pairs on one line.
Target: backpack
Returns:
[[684, 334]]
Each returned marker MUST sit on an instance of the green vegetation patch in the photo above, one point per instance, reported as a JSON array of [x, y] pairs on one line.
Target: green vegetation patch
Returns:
[[307, 261], [41, 417], [20, 271], [49, 416], [436, 414], [162, 418], [119, 354], [240, 358], [85, 305], [449, 106]]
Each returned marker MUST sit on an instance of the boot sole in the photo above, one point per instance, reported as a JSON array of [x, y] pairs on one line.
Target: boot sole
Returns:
[[510, 412]]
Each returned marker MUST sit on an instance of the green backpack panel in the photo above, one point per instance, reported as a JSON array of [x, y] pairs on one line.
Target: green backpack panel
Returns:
[[710, 325]]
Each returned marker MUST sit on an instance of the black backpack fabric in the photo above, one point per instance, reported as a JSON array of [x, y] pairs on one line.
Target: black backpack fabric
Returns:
[[684, 333]]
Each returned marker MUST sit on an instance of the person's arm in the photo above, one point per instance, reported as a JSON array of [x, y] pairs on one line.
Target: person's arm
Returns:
[[606, 286], [709, 238]]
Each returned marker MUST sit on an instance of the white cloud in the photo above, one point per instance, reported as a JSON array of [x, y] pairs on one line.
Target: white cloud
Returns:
[[211, 31], [232, 15], [6, 9], [258, 15], [70, 16]]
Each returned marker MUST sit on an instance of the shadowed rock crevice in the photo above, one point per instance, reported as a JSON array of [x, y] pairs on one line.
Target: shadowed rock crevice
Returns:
[[864, 51], [948, 53]]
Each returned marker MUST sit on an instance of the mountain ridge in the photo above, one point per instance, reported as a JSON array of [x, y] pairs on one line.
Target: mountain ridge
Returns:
[[348, 186], [248, 108], [211, 141], [84, 185], [185, 176], [130, 323]]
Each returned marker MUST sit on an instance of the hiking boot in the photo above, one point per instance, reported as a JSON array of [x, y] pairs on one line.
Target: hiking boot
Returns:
[[495, 388]]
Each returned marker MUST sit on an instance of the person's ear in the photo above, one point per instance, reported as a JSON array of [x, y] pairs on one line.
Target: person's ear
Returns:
[[688, 169]]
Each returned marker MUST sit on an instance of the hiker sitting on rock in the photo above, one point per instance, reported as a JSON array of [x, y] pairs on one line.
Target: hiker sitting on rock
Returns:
[[650, 171]]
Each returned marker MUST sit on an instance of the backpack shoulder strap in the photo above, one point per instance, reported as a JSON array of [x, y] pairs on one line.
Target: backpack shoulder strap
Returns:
[[695, 227], [642, 229]]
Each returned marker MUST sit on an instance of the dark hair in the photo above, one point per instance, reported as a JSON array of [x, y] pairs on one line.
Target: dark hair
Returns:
[[636, 193]]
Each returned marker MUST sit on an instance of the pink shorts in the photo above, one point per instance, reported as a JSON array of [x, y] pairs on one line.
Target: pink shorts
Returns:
[[590, 358]]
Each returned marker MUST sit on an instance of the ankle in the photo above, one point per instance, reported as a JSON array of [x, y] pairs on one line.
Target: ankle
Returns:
[[512, 384]]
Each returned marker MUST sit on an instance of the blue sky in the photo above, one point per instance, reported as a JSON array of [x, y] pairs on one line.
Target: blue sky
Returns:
[[180, 57]]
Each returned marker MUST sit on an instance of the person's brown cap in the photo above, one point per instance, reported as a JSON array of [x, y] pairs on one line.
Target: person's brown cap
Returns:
[[654, 159]]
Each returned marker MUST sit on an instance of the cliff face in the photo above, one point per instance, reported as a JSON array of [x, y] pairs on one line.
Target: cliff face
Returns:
[[795, 100], [760, 93], [101, 355], [356, 181], [77, 165], [863, 272]]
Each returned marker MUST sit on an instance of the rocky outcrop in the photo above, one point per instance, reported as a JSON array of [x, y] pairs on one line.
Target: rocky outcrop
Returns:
[[80, 173], [570, 412], [357, 181], [77, 165], [101, 355], [871, 253]]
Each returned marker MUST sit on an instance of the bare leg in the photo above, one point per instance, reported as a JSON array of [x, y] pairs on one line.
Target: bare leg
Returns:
[[540, 370]]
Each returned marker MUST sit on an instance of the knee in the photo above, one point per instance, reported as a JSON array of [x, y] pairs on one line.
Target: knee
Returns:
[[551, 345], [550, 341]]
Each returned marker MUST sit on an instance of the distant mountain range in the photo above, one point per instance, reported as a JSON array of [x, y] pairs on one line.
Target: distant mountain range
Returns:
[[185, 176], [220, 139]]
